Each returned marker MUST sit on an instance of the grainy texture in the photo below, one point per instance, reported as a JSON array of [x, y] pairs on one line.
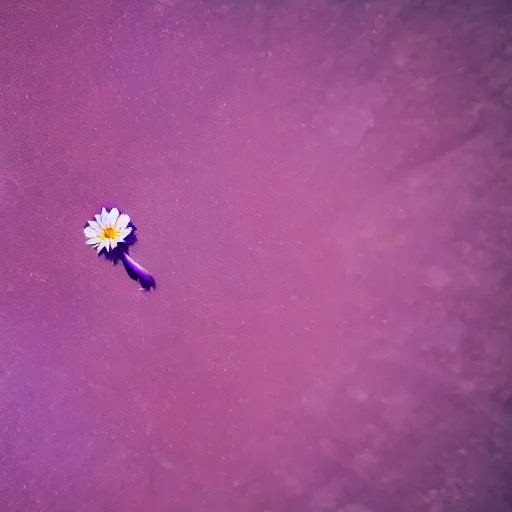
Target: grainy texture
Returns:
[[323, 191]]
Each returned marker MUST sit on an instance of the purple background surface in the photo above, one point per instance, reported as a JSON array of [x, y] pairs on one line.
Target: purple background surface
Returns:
[[323, 193]]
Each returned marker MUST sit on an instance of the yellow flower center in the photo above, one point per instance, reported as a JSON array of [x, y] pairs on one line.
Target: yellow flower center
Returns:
[[108, 233]]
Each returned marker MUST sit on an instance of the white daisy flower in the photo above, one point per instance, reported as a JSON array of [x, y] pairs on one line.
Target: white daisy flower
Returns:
[[108, 230]]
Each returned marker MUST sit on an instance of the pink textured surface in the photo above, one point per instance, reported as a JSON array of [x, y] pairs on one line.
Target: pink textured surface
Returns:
[[322, 190]]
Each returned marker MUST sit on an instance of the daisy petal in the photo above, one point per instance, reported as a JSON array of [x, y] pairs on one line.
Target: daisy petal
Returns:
[[113, 216], [113, 243], [104, 217], [92, 241], [102, 245], [99, 221], [95, 226], [124, 233], [122, 221], [90, 232]]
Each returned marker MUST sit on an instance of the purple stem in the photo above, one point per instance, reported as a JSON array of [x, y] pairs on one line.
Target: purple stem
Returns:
[[135, 271]]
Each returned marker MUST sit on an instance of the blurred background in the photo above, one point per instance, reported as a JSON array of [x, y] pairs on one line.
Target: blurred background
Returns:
[[323, 192]]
